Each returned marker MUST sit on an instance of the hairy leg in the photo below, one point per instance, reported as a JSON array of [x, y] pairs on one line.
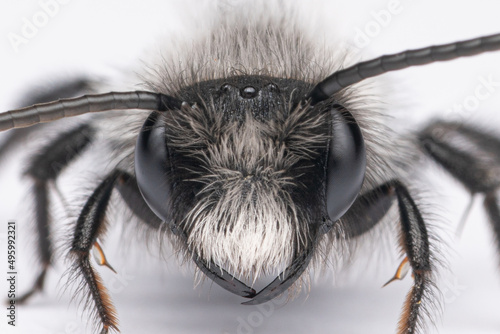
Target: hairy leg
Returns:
[[472, 157], [44, 168], [91, 224], [65, 89], [367, 211]]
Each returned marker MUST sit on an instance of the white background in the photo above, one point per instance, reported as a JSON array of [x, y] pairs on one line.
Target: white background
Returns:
[[107, 38]]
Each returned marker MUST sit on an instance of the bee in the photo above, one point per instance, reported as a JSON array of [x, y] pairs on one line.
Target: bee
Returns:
[[197, 171]]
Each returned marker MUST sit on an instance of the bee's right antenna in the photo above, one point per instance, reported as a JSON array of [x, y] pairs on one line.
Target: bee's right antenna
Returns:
[[398, 61], [52, 111]]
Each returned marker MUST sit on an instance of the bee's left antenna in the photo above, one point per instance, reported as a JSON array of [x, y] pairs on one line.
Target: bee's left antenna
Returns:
[[398, 61], [52, 111]]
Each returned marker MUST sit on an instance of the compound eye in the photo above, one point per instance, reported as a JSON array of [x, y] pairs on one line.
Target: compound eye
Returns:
[[151, 166], [346, 163]]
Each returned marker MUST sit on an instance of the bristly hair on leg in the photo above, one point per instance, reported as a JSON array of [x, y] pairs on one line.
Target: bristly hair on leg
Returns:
[[425, 292], [84, 282]]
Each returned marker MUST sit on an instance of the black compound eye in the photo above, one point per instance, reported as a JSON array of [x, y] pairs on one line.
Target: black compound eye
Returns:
[[346, 164], [151, 167]]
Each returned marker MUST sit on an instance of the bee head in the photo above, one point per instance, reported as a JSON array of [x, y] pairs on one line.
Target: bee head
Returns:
[[243, 172]]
